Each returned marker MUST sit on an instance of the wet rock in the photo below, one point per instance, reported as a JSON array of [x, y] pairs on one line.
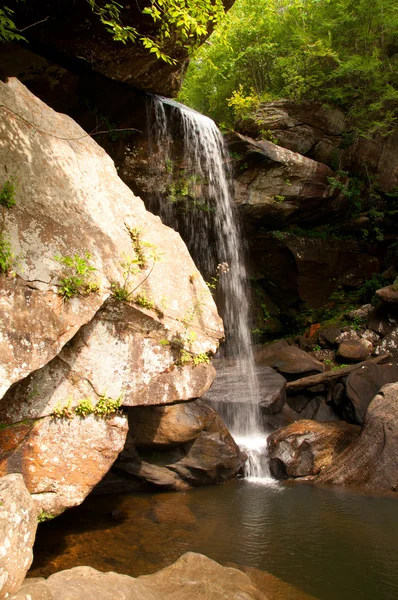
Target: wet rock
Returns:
[[63, 459], [271, 392], [314, 408], [192, 576], [363, 384], [383, 318], [355, 350], [329, 335], [371, 461], [18, 524], [179, 446], [305, 448], [388, 294]]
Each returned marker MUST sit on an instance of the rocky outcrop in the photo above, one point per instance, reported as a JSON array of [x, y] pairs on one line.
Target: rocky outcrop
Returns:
[[117, 336], [293, 363], [324, 134], [18, 524], [363, 384], [179, 446], [192, 576], [306, 448], [276, 186], [79, 40], [371, 461]]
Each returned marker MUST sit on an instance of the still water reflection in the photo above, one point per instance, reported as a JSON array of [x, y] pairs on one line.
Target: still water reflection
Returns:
[[327, 542]]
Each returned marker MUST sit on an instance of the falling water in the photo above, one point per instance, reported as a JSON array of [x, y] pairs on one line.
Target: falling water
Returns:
[[210, 229]]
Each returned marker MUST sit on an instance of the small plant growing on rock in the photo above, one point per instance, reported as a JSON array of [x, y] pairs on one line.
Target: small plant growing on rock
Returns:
[[7, 257], [85, 407], [64, 411], [104, 407], [76, 279], [44, 516], [7, 192]]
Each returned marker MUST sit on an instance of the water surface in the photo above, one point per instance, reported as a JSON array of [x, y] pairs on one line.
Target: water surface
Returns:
[[330, 543]]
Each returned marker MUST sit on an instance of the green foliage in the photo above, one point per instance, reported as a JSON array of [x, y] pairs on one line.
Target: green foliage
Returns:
[[44, 516], [366, 292], [104, 407], [7, 193], [188, 358], [183, 22], [279, 199], [8, 29], [338, 52], [76, 277], [7, 256], [142, 300]]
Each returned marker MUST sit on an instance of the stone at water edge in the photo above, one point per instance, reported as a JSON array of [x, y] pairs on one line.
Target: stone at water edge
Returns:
[[33, 589], [305, 448], [371, 461], [192, 577], [18, 524], [179, 446]]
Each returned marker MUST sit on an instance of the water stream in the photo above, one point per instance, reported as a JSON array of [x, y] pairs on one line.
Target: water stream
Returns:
[[200, 206]]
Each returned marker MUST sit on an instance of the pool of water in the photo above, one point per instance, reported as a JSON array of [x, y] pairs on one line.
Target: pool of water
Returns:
[[327, 542]]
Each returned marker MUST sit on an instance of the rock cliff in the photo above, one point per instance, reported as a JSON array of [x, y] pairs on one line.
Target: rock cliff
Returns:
[[102, 306]]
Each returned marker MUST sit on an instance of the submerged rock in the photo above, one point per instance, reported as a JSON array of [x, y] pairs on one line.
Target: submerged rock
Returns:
[[371, 461], [306, 448], [18, 524]]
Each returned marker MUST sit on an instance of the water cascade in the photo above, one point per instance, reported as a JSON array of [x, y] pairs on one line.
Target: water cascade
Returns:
[[198, 203]]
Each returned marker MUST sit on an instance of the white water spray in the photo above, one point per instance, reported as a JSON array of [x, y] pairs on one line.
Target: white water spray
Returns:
[[211, 214]]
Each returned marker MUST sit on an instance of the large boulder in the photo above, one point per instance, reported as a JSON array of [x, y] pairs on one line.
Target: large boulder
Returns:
[[69, 354], [179, 446], [62, 459], [18, 524], [363, 384], [306, 448], [192, 576], [371, 461], [293, 363]]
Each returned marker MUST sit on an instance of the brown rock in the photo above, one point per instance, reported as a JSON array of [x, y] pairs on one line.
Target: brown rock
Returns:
[[294, 363], [388, 294], [18, 524], [306, 448], [279, 186], [169, 425], [355, 350], [179, 446], [388, 344], [63, 459], [33, 589], [371, 461], [192, 576], [362, 386]]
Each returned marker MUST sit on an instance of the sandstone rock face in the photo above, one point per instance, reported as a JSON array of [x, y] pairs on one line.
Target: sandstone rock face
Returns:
[[279, 186], [371, 461], [192, 576], [62, 459], [33, 589], [18, 524], [179, 446], [306, 448], [57, 354]]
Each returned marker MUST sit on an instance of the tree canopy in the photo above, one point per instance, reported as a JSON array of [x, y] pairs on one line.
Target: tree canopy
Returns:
[[341, 52]]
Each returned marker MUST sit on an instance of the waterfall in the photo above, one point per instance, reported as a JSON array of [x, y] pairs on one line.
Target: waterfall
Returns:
[[198, 203]]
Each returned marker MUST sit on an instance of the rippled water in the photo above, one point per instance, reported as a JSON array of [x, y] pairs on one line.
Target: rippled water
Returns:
[[329, 543]]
